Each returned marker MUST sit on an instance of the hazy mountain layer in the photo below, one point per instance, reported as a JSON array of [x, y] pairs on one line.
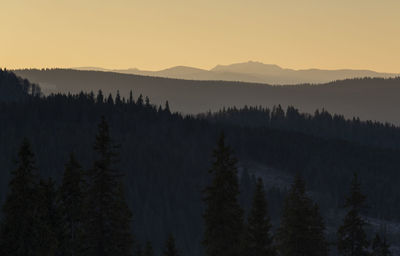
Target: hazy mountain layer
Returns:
[[254, 72], [369, 99]]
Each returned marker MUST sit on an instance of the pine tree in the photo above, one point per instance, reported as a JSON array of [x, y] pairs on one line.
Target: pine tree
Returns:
[[107, 221], [259, 241], [147, 102], [302, 227], [71, 196], [223, 216], [352, 239], [110, 99], [167, 107], [139, 101], [49, 218], [100, 97], [380, 247], [19, 233], [118, 100], [131, 101], [170, 247]]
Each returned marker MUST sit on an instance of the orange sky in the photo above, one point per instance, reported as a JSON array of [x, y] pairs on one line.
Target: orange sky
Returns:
[[155, 34]]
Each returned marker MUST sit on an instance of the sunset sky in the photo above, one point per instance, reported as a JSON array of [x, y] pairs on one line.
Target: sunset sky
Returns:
[[156, 34]]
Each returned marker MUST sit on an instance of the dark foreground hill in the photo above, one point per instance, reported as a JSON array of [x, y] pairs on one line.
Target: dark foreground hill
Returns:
[[166, 157], [368, 99], [14, 88]]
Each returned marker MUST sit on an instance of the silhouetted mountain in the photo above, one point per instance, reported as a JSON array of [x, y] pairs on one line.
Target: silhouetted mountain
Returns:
[[368, 98], [255, 72]]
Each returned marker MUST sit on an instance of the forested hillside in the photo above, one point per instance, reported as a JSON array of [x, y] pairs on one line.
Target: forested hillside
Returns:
[[366, 98], [13, 88], [321, 124], [165, 158]]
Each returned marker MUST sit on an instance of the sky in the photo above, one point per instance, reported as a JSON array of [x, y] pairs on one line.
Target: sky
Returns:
[[156, 34]]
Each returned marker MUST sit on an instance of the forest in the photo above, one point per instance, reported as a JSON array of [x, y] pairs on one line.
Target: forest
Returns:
[[170, 174]]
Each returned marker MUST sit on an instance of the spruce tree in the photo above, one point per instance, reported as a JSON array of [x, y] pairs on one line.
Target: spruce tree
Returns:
[[223, 216], [131, 101], [49, 220], [259, 240], [170, 247], [302, 228], [380, 247], [139, 100], [107, 222], [352, 239], [71, 197], [20, 230]]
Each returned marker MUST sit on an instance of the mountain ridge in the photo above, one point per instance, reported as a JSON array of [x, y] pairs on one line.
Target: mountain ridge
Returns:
[[253, 72]]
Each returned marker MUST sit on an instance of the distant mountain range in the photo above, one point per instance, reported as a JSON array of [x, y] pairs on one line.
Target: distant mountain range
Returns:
[[368, 98], [254, 72]]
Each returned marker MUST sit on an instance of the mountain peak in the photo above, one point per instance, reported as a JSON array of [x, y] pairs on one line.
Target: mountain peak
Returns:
[[250, 67]]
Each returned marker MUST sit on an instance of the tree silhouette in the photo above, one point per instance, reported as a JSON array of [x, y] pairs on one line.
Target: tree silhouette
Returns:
[[71, 197], [352, 239], [19, 226], [223, 216], [259, 241], [107, 217], [302, 228]]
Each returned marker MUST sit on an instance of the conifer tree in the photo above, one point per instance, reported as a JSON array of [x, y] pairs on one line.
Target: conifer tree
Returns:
[[118, 100], [100, 97], [49, 220], [139, 101], [107, 222], [223, 216], [147, 101], [19, 235], [302, 227], [258, 240], [380, 247], [170, 247], [110, 99], [352, 239], [71, 196], [167, 107], [131, 101]]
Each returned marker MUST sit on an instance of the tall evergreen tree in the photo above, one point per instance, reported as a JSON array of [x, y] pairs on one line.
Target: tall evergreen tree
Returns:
[[170, 247], [302, 228], [223, 216], [380, 247], [259, 241], [19, 236], [48, 217], [352, 239], [107, 221], [71, 196], [131, 100], [100, 97]]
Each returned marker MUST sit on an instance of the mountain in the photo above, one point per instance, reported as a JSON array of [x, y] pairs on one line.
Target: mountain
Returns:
[[255, 72], [368, 98]]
